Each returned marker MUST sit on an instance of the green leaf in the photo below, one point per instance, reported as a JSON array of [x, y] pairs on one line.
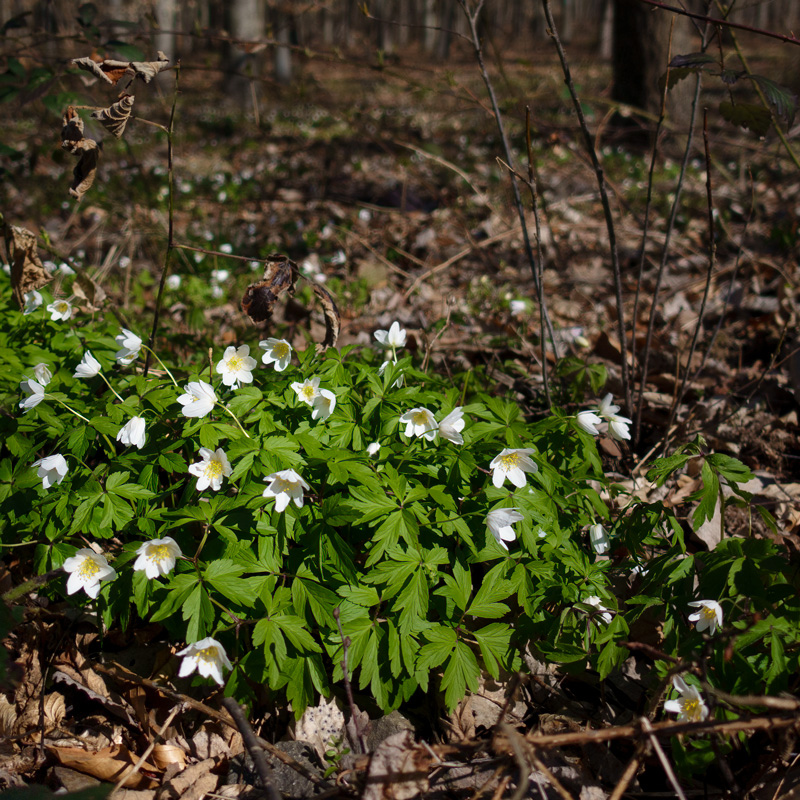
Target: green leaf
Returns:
[[224, 576], [494, 641], [782, 99], [296, 632], [747, 115], [461, 673]]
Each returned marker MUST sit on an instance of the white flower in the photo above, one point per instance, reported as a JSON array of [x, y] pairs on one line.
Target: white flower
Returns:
[[599, 539], [52, 469], [86, 569], [499, 524], [88, 368], [216, 291], [130, 345], [285, 485], [211, 470], [307, 391], [588, 421], [174, 282], [237, 366], [594, 600], [512, 464], [518, 307], [198, 400], [606, 408], [60, 310], [373, 449], [132, 433], [207, 656], [32, 301], [393, 338], [157, 557], [618, 427], [708, 617], [420, 422], [451, 426], [323, 404], [689, 706], [278, 352], [382, 369], [220, 275], [35, 392], [42, 373]]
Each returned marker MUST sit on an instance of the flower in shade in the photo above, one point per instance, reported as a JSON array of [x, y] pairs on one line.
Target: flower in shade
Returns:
[[690, 706], [284, 486], [307, 390], [198, 400], [588, 421], [420, 422], [132, 433], [41, 372], [277, 352], [607, 408], [60, 310], [708, 616], [211, 469], [157, 557], [618, 427], [207, 656], [32, 301], [51, 469], [451, 426], [499, 524], [237, 366], [599, 539], [603, 612], [323, 404], [393, 338], [88, 368], [86, 569], [35, 392], [373, 449], [512, 463], [129, 346]]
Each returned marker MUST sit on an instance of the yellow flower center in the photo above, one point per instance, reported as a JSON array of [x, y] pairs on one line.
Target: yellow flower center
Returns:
[[419, 418], [509, 461], [280, 350], [308, 391], [708, 613], [213, 469], [62, 307], [234, 363], [692, 709], [158, 552], [89, 568], [208, 654]]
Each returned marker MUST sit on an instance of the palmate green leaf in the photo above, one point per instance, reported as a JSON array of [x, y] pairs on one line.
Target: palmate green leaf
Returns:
[[412, 602], [493, 589], [180, 588], [708, 496], [198, 613], [457, 588], [268, 635], [370, 504], [460, 673], [225, 576], [296, 632], [441, 643], [494, 641], [320, 600]]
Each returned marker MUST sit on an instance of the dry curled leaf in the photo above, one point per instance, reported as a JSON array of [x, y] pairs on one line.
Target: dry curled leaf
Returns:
[[147, 70], [112, 71], [27, 271], [332, 317], [110, 764], [85, 170], [71, 130], [116, 116]]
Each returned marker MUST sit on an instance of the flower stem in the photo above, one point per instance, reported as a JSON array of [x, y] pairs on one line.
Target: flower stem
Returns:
[[161, 363], [235, 419], [61, 402], [116, 394]]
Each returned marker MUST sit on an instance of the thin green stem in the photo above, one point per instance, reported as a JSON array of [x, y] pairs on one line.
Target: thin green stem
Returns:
[[161, 364], [235, 418], [105, 380], [72, 410]]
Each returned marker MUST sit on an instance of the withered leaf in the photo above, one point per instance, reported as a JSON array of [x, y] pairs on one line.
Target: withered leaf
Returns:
[[85, 170], [332, 317], [280, 275], [115, 117], [109, 764], [147, 70], [71, 130], [88, 289], [109, 71], [27, 271]]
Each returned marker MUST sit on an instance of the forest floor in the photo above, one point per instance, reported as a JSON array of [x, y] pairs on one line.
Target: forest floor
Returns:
[[383, 183]]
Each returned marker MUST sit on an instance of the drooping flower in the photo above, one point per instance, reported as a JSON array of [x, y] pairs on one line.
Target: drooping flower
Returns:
[[499, 524], [278, 352], [133, 433], [88, 368], [284, 486], [588, 421], [207, 656], [393, 338], [512, 463], [237, 366], [618, 427], [307, 390], [35, 392], [86, 569], [129, 346], [604, 614], [60, 310], [157, 557], [51, 469], [451, 426], [690, 706], [323, 404], [599, 539], [373, 449], [708, 616], [211, 470], [41, 372], [198, 400], [33, 300], [607, 408]]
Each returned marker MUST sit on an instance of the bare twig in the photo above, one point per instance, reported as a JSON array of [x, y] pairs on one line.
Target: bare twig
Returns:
[[648, 728]]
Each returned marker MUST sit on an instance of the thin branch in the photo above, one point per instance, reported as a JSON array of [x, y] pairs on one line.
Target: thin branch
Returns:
[[648, 728]]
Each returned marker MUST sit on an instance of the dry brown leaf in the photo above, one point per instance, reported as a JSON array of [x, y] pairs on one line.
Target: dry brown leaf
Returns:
[[8, 717], [280, 275], [71, 130], [166, 754], [110, 764], [115, 117], [147, 70], [398, 770], [27, 271], [332, 317], [85, 171], [54, 711], [112, 71], [89, 290], [191, 784]]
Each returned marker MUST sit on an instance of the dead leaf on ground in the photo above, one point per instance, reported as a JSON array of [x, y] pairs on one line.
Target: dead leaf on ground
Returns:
[[398, 770], [116, 116], [109, 764], [191, 784], [27, 271]]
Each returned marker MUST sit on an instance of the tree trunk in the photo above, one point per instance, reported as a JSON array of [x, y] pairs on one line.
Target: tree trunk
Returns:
[[246, 24]]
